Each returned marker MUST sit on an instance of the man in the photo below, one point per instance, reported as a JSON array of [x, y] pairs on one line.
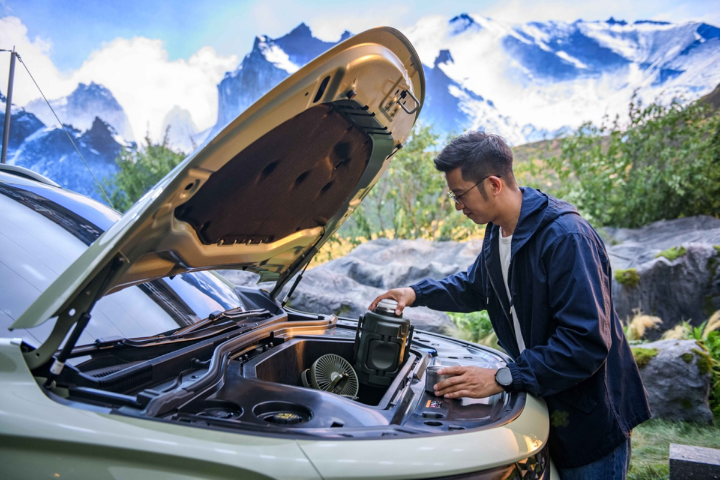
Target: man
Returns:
[[544, 277]]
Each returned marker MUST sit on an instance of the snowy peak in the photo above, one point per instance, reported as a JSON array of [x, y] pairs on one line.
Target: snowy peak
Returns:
[[269, 62], [101, 138], [463, 23], [559, 50], [22, 124], [542, 77], [301, 47], [82, 106], [49, 152], [451, 108], [443, 57], [181, 131]]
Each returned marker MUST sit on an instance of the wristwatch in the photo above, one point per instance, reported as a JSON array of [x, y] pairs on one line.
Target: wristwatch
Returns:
[[503, 377]]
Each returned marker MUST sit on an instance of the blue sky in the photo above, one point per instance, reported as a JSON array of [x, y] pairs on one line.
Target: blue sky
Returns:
[[76, 28]]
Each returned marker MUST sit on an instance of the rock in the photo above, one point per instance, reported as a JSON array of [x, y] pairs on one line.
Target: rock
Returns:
[[685, 288], [389, 264], [693, 462], [677, 380]]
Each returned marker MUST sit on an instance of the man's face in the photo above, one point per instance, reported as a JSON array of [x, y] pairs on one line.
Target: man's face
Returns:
[[473, 204]]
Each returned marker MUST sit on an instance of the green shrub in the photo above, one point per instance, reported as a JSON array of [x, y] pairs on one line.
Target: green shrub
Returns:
[[672, 253], [662, 162], [712, 345], [475, 326], [627, 278], [410, 200], [140, 170], [687, 357], [643, 355]]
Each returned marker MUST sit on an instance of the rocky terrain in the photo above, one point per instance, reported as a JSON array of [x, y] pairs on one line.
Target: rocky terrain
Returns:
[[668, 269], [684, 288]]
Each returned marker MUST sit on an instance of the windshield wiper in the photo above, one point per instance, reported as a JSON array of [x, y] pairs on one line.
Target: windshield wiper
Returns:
[[191, 332], [233, 315]]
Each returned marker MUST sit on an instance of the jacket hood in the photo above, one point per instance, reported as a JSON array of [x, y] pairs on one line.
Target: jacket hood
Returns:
[[538, 210]]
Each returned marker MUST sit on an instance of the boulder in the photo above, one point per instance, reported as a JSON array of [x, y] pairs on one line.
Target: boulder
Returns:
[[674, 289], [676, 375]]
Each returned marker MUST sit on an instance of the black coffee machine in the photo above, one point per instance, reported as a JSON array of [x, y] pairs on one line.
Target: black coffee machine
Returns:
[[382, 344]]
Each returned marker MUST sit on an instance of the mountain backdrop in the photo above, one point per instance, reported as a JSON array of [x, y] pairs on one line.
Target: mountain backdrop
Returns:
[[526, 82]]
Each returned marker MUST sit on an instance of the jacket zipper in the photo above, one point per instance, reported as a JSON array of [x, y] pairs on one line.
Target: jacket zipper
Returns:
[[512, 328]]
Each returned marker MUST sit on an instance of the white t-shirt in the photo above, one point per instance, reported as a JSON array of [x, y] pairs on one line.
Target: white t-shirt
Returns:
[[504, 243]]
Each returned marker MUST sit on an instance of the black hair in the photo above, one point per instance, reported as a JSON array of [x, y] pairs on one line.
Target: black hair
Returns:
[[477, 155]]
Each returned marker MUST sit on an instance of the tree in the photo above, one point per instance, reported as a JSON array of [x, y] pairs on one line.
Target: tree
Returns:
[[410, 200], [140, 170], [663, 163]]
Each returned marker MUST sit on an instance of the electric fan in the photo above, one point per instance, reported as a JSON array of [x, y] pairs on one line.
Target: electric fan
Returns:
[[332, 373]]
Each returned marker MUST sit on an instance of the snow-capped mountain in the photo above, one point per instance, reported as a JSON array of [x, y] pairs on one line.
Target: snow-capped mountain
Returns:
[[80, 108], [268, 63], [451, 108], [547, 75], [526, 81], [182, 133], [23, 124], [49, 152]]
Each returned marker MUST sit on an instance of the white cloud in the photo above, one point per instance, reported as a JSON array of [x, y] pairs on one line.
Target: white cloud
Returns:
[[330, 25], [36, 54], [137, 71]]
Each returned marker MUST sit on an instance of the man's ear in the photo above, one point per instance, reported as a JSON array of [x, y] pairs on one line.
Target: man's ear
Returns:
[[496, 185]]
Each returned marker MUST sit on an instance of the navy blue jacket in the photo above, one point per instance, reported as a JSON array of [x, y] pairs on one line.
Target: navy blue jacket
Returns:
[[577, 357]]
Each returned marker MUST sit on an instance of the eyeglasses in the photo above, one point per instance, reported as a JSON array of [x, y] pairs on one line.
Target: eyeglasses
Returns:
[[456, 198]]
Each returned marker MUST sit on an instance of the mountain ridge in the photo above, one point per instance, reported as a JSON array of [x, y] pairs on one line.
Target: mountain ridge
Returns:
[[525, 81]]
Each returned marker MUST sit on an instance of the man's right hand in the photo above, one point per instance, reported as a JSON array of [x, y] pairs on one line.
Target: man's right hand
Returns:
[[405, 297]]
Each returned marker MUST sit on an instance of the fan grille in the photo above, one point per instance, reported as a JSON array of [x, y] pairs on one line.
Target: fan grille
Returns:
[[328, 369]]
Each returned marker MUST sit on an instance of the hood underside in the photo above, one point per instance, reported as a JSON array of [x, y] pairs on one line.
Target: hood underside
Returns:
[[295, 177]]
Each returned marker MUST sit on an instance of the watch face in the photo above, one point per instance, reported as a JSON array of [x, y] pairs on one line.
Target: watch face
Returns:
[[504, 377]]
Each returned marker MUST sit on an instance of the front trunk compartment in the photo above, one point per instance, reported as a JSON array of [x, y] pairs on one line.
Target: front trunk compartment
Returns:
[[247, 378]]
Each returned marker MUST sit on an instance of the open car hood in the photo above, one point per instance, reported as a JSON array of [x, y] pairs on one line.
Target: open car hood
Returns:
[[269, 190]]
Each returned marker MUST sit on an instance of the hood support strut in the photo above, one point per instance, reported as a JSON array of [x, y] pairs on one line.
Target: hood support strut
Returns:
[[77, 313]]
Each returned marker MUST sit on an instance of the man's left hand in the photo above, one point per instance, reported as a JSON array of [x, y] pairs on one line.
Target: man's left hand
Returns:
[[473, 382]]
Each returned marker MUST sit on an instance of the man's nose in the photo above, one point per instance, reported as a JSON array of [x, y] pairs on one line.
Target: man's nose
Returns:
[[458, 206]]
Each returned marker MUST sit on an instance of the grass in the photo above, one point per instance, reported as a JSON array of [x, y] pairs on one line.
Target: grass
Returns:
[[651, 445]]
